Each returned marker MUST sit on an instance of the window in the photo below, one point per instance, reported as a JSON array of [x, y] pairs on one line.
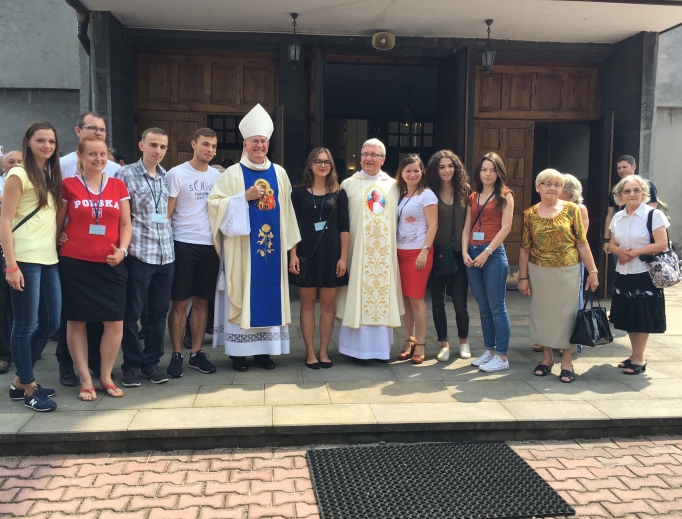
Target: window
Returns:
[[410, 135], [226, 128]]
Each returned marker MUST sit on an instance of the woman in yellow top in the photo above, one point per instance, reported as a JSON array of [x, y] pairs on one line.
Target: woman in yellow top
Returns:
[[552, 245], [28, 230]]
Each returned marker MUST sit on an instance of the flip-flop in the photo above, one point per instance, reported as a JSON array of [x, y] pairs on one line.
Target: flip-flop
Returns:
[[89, 391], [111, 387]]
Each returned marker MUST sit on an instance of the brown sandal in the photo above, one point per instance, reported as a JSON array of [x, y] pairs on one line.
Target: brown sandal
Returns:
[[404, 355], [418, 359], [111, 387]]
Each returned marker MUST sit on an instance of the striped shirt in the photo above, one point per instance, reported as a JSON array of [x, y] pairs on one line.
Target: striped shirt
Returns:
[[152, 242]]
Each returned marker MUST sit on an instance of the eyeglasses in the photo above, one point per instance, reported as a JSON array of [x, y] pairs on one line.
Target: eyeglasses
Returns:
[[551, 184], [262, 142], [94, 129], [364, 155], [320, 163], [636, 191]]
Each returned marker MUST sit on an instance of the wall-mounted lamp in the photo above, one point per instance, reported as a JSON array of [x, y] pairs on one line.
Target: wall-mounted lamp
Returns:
[[488, 52], [294, 46]]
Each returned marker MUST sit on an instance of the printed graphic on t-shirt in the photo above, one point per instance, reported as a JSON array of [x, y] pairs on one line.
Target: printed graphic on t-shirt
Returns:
[[200, 189]]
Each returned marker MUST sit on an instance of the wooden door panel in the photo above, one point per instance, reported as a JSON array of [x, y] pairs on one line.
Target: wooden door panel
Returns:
[[254, 85], [548, 93], [520, 86], [223, 85], [158, 82], [513, 142], [191, 83]]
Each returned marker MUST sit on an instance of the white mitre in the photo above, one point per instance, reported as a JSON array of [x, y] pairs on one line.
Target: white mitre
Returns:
[[256, 122]]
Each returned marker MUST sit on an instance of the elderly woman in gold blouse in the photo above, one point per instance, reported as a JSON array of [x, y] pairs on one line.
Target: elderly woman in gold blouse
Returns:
[[552, 245]]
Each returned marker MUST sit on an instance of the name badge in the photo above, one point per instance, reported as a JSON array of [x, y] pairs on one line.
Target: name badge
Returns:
[[479, 236], [158, 218], [319, 226], [99, 230]]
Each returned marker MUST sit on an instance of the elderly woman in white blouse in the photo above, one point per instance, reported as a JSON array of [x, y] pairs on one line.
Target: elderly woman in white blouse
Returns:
[[637, 307]]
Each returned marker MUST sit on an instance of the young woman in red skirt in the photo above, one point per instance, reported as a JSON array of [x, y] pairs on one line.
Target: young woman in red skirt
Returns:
[[417, 224]]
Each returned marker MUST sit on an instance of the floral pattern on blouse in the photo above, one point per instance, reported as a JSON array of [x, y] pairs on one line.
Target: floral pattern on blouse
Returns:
[[552, 241]]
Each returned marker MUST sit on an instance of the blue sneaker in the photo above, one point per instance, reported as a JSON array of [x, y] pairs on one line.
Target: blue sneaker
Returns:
[[18, 394], [40, 402]]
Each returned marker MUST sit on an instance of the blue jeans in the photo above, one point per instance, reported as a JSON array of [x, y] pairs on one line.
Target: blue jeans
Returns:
[[41, 302], [489, 285], [154, 283]]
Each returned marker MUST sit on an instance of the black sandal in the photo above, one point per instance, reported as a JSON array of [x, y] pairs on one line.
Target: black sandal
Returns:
[[624, 364], [566, 373], [636, 369], [544, 368]]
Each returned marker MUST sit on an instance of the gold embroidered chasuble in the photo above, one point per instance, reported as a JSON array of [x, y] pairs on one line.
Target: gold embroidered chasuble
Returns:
[[373, 296], [237, 249]]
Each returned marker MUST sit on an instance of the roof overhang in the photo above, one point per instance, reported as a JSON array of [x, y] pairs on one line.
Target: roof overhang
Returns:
[[571, 21]]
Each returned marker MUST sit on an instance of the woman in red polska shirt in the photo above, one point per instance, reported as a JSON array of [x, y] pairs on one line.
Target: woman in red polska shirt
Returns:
[[92, 272]]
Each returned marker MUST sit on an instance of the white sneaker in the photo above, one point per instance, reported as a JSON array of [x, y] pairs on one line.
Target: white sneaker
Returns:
[[496, 364], [464, 351], [486, 357], [444, 355]]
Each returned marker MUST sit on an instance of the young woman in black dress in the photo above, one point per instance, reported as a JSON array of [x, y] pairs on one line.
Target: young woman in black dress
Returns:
[[314, 201]]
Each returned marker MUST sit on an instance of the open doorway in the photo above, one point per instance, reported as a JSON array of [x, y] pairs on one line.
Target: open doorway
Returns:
[[564, 147], [394, 103]]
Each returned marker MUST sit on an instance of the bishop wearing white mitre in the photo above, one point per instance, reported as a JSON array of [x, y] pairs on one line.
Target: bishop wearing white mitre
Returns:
[[372, 303], [254, 225]]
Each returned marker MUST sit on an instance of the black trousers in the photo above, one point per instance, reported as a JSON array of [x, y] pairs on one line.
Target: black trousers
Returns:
[[153, 284], [5, 319], [456, 286]]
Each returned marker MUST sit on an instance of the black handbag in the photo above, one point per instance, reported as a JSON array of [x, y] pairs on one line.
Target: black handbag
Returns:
[[295, 279], [591, 326], [444, 262]]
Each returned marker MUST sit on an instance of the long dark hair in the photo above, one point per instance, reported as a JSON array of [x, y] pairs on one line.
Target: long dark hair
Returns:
[[52, 181], [402, 186], [460, 181], [308, 179], [501, 201]]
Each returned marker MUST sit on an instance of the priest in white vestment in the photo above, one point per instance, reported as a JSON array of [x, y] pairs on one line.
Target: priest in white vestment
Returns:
[[372, 303], [254, 225]]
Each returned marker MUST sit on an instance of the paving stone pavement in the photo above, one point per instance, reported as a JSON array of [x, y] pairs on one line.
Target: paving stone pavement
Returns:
[[635, 478]]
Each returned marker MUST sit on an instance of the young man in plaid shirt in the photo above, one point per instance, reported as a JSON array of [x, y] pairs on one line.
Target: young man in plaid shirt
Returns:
[[150, 261]]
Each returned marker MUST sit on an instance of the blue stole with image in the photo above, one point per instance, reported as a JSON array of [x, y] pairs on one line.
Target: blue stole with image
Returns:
[[265, 240]]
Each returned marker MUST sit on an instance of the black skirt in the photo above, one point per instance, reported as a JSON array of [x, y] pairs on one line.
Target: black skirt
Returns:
[[637, 305], [92, 292]]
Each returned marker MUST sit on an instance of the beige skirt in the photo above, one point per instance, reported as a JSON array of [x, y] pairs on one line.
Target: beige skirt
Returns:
[[553, 304]]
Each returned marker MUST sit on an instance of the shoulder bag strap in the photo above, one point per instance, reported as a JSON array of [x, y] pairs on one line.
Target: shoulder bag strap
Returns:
[[27, 218], [452, 239]]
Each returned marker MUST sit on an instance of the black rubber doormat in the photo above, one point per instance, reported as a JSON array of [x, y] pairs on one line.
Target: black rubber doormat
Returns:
[[430, 481]]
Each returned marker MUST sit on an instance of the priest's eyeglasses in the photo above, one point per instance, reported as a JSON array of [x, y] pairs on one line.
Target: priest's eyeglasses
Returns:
[[323, 163], [262, 142], [365, 154]]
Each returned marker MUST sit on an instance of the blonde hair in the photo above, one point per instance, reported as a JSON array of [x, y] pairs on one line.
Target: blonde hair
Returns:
[[549, 174], [573, 188], [644, 184]]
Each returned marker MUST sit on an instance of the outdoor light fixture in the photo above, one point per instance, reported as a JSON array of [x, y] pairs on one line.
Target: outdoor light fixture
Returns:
[[294, 46], [488, 52]]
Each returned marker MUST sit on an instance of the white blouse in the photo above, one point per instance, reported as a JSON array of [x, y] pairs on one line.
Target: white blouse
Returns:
[[412, 225], [630, 232]]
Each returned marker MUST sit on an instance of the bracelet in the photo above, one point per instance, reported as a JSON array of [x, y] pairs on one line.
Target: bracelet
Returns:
[[595, 271], [607, 240], [10, 271], [521, 279]]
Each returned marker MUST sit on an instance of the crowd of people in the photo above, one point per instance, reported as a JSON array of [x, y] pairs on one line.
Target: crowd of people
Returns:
[[92, 250]]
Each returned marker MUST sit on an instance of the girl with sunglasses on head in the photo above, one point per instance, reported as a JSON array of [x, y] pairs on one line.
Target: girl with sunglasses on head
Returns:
[[321, 208], [417, 224]]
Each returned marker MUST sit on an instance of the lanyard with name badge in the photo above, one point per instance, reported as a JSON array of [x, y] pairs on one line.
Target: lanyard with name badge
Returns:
[[96, 228], [400, 211], [479, 236], [320, 225], [156, 217]]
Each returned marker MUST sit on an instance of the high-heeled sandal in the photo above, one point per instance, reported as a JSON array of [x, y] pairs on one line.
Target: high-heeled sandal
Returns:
[[404, 355], [418, 359], [635, 369]]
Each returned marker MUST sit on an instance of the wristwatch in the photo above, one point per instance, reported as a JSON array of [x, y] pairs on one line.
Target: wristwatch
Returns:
[[595, 271], [427, 247], [489, 251], [125, 253]]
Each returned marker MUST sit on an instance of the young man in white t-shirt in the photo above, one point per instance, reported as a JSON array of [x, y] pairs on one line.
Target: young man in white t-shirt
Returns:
[[196, 260], [90, 124]]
